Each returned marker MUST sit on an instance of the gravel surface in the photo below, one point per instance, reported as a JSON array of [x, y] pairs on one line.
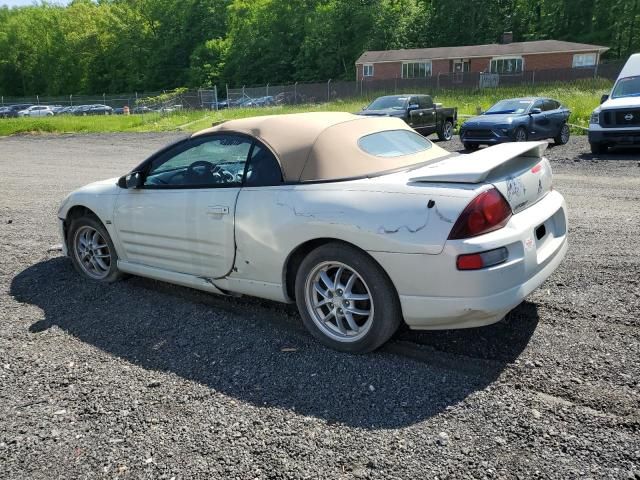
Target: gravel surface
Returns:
[[146, 380]]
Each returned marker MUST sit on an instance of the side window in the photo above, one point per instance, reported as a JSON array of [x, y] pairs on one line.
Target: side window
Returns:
[[538, 104], [211, 161], [425, 102], [550, 105], [263, 169]]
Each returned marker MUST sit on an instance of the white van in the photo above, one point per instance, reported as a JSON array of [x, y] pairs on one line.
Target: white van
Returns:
[[617, 120]]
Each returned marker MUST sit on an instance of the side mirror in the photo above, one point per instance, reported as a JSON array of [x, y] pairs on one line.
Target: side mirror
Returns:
[[604, 98], [131, 180], [535, 111], [412, 107]]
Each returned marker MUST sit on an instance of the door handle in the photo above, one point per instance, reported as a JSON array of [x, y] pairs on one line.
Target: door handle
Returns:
[[217, 210]]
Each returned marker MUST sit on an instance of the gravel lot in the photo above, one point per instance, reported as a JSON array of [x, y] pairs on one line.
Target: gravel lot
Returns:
[[147, 380]]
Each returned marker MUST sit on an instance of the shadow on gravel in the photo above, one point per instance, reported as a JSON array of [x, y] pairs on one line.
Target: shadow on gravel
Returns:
[[616, 153], [258, 352]]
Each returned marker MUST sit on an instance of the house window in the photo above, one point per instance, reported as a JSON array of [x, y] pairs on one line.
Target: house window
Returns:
[[416, 69], [367, 70], [507, 65], [584, 60]]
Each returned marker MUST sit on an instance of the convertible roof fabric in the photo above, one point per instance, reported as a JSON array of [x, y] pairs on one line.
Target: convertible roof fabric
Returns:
[[324, 145]]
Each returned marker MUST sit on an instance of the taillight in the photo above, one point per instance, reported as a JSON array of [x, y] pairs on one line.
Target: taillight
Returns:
[[487, 212]]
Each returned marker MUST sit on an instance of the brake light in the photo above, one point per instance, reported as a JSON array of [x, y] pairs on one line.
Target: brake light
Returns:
[[487, 212], [476, 261]]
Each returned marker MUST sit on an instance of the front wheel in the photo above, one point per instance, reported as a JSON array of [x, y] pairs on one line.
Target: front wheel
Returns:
[[445, 132], [563, 135], [346, 300], [521, 135], [92, 251]]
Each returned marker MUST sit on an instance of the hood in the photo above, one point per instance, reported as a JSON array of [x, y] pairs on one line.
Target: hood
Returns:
[[624, 102], [498, 118], [387, 112], [102, 187]]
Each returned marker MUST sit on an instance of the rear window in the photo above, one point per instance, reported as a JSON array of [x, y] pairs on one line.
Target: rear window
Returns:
[[393, 143]]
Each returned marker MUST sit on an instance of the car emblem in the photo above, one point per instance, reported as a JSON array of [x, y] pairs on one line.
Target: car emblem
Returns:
[[628, 117]]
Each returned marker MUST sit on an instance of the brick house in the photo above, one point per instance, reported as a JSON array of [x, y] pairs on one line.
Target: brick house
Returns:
[[502, 58]]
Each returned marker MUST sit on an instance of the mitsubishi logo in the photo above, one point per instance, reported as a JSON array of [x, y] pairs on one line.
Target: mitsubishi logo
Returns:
[[628, 117]]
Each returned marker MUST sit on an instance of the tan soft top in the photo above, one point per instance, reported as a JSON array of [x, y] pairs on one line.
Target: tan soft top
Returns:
[[324, 145]]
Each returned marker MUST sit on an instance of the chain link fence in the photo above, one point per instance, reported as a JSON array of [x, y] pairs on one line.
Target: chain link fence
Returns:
[[149, 103], [315, 93], [162, 103]]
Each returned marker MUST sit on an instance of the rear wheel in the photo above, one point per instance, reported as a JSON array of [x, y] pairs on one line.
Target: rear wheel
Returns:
[[92, 251], [445, 132], [471, 146], [563, 135], [346, 300], [521, 135], [599, 148]]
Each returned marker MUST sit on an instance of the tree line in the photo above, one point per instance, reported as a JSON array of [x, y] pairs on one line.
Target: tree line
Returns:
[[142, 45]]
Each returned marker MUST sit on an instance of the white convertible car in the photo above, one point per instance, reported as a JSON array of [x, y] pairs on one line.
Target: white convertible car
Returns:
[[359, 220]]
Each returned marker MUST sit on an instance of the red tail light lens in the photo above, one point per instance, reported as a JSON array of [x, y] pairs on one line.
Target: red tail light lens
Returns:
[[487, 212]]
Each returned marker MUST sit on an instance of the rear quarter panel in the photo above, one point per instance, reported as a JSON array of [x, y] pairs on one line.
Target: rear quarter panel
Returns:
[[271, 222]]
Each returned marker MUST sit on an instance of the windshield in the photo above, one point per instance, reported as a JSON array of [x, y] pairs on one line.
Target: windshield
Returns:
[[383, 103], [394, 143], [509, 106], [627, 87]]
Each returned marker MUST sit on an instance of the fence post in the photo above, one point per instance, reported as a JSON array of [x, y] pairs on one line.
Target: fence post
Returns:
[[295, 93], [3, 100], [267, 92], [38, 99], [243, 94], [438, 81], [329, 90], [215, 93], [227, 87], [104, 98], [533, 77], [71, 100]]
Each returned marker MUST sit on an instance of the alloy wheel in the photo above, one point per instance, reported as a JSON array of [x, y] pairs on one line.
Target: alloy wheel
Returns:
[[339, 301], [92, 252]]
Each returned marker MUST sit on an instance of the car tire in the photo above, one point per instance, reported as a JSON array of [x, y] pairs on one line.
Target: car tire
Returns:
[[445, 132], [599, 148], [471, 146], [91, 250], [356, 314], [520, 135], [563, 135]]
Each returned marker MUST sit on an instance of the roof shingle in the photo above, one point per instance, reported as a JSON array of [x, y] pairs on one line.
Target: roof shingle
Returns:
[[489, 50]]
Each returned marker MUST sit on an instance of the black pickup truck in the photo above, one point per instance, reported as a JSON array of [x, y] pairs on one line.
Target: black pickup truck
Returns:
[[418, 111]]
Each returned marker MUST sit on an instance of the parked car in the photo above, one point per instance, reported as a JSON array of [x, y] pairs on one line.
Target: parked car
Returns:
[[418, 111], [361, 221], [617, 120], [100, 110], [12, 110], [36, 111], [65, 110], [517, 120], [142, 109]]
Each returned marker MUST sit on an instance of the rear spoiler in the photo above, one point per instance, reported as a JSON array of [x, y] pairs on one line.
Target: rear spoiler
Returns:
[[475, 167]]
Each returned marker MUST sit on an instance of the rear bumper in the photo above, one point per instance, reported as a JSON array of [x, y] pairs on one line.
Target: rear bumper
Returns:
[[435, 295]]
